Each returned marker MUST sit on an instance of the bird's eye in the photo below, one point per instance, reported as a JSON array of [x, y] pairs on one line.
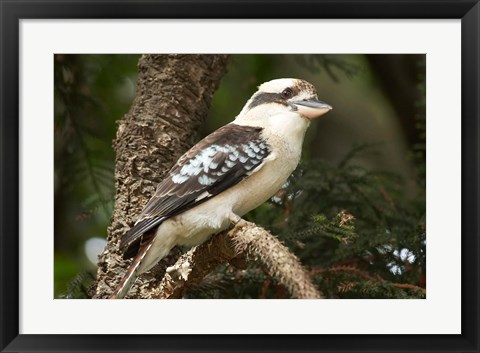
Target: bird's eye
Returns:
[[287, 93]]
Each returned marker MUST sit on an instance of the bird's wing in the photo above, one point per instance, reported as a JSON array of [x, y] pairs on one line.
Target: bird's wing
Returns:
[[216, 163]]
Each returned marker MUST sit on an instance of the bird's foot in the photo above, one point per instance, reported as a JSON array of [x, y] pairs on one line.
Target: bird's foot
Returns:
[[234, 219]]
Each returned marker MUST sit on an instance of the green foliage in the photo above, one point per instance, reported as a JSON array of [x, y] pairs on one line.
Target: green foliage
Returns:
[[357, 227], [228, 282], [358, 231], [419, 151], [362, 219], [65, 269], [330, 63], [91, 93], [77, 288], [84, 128]]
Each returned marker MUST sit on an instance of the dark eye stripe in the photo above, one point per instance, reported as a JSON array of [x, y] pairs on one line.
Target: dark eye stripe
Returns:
[[264, 98]]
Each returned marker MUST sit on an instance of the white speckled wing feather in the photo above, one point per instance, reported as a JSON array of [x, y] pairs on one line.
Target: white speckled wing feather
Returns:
[[216, 163]]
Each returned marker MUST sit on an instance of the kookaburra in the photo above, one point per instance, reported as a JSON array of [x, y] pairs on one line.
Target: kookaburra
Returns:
[[227, 174]]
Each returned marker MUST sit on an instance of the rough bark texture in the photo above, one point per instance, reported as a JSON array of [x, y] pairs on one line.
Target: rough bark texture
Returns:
[[172, 100], [245, 238]]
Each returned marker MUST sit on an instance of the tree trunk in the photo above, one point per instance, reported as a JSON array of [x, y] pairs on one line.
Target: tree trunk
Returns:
[[172, 100], [400, 87]]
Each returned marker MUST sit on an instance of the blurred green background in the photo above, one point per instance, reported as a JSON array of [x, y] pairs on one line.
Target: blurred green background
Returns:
[[378, 111]]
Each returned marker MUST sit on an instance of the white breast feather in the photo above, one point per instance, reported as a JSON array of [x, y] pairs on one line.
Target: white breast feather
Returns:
[[284, 134]]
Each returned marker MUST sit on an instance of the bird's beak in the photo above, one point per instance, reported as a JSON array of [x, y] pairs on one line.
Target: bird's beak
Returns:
[[312, 108]]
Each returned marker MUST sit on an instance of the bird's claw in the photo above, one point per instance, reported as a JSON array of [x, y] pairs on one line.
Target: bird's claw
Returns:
[[234, 219]]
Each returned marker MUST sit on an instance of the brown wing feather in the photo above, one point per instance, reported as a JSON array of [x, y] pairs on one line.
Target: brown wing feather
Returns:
[[216, 163]]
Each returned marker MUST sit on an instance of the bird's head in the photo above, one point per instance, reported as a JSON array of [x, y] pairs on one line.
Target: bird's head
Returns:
[[283, 96]]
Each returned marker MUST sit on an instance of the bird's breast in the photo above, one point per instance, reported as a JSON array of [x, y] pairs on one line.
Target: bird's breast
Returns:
[[197, 224]]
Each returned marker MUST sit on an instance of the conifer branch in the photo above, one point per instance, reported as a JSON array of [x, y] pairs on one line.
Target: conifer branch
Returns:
[[364, 275]]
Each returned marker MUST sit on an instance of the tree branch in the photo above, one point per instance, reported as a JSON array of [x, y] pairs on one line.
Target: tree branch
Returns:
[[172, 100], [245, 238]]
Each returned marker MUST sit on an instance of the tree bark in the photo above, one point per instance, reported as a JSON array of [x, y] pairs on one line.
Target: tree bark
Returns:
[[400, 87], [245, 239], [172, 100]]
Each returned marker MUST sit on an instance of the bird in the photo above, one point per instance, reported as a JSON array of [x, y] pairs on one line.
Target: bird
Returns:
[[224, 176]]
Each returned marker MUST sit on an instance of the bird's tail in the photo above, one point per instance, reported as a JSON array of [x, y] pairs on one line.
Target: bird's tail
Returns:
[[131, 275]]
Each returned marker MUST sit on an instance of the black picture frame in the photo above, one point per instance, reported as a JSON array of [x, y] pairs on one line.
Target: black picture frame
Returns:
[[12, 11]]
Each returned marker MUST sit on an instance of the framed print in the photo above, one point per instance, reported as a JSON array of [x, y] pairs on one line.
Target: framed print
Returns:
[[160, 150]]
